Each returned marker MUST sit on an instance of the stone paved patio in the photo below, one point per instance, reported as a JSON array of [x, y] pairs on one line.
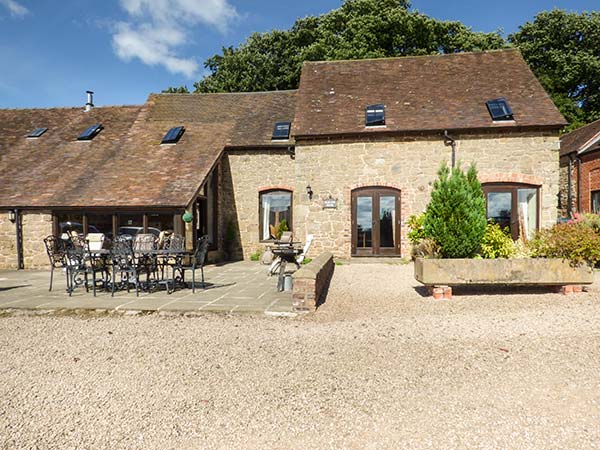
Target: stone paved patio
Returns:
[[234, 287]]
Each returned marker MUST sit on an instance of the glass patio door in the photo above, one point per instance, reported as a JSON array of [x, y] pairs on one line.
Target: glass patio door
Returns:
[[375, 222]]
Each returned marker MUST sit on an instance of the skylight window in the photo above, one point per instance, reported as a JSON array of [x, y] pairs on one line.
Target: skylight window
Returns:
[[499, 109], [282, 131], [173, 135], [90, 132], [37, 132], [375, 115]]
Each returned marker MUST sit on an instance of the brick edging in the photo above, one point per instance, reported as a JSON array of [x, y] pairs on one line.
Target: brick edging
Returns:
[[311, 283]]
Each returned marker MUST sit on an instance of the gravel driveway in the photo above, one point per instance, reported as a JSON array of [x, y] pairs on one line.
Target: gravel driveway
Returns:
[[378, 366]]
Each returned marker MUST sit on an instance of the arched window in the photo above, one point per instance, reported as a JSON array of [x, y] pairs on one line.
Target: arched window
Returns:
[[514, 206], [275, 208]]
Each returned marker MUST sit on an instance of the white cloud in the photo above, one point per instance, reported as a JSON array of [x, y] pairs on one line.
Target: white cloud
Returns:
[[153, 46], [217, 13], [15, 9], [157, 27]]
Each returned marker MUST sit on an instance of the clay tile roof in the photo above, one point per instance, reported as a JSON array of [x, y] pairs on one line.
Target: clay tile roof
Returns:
[[125, 165], [577, 140], [253, 114], [420, 94], [55, 168]]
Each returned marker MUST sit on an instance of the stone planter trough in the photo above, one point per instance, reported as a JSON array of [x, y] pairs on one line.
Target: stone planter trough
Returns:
[[443, 273]]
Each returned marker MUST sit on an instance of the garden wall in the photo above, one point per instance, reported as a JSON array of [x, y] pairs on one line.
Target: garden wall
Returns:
[[311, 283]]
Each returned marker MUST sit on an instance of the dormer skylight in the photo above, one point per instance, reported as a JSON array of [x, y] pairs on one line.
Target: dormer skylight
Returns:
[[375, 115], [173, 135], [37, 132], [499, 109], [282, 131], [90, 133]]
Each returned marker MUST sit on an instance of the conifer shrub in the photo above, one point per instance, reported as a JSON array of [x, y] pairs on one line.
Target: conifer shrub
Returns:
[[456, 214]]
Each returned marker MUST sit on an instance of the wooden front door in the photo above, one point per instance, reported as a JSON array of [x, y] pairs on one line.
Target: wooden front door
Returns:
[[376, 222]]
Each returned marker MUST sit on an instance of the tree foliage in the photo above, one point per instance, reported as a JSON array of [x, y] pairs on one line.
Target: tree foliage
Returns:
[[176, 90], [563, 50], [456, 217], [358, 29]]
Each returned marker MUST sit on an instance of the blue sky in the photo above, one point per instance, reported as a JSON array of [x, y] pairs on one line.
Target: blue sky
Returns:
[[53, 51]]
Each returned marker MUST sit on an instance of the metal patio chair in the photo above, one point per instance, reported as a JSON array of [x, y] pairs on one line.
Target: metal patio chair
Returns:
[[144, 244], [55, 248], [197, 262], [80, 261], [124, 263], [174, 242]]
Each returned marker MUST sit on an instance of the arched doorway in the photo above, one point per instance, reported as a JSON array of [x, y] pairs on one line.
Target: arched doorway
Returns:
[[376, 221]]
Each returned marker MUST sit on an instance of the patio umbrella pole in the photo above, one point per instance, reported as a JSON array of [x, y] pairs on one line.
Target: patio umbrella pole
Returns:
[[19, 236]]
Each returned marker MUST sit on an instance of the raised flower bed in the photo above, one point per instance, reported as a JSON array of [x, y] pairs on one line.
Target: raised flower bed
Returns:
[[455, 243], [443, 273]]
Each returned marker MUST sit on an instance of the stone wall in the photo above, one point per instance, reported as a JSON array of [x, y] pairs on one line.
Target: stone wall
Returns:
[[36, 226], [8, 243], [563, 210], [410, 165], [244, 174]]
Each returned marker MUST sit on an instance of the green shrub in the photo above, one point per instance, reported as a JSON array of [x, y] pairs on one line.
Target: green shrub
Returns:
[[522, 249], [306, 261], [283, 226], [574, 241], [497, 243], [415, 226], [589, 220], [255, 256], [456, 215]]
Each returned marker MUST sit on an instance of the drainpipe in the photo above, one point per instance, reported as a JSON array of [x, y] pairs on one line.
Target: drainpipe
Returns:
[[578, 183], [19, 236], [449, 141], [570, 187]]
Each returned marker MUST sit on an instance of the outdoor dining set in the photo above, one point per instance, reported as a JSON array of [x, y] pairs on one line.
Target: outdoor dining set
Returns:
[[143, 262]]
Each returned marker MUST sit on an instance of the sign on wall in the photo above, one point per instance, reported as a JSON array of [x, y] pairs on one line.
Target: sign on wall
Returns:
[[330, 203]]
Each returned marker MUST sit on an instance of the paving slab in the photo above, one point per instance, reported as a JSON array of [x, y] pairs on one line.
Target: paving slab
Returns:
[[240, 286]]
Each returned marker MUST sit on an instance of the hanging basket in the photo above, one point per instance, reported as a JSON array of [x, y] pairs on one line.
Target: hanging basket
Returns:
[[188, 217]]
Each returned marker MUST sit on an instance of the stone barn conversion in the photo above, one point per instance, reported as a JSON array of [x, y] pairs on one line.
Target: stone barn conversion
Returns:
[[348, 157]]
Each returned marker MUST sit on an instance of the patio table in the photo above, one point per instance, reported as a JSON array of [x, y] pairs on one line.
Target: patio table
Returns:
[[143, 256]]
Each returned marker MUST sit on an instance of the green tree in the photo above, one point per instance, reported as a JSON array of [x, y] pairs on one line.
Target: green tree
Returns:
[[456, 217], [563, 50], [176, 90], [358, 29]]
